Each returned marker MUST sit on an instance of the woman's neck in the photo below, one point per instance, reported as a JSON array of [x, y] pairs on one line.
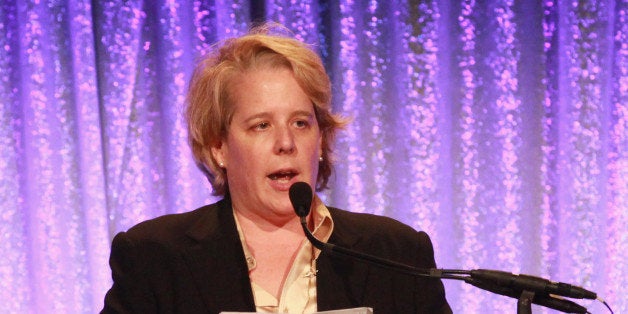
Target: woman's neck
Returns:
[[253, 222]]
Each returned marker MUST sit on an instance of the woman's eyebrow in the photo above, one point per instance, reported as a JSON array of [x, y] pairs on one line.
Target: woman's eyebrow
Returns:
[[259, 115], [267, 114], [306, 113]]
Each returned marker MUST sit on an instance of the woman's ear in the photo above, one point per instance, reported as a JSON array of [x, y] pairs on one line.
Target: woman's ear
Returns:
[[320, 146], [218, 154]]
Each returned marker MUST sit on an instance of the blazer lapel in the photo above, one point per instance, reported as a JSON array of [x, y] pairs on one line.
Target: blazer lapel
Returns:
[[341, 281], [216, 261]]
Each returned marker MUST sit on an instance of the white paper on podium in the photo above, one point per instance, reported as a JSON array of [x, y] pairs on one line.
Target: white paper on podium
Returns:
[[357, 310]]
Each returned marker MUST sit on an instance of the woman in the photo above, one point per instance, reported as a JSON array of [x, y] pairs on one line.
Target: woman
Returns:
[[259, 120]]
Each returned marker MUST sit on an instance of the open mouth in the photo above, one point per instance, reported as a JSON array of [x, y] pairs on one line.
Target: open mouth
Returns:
[[282, 175]]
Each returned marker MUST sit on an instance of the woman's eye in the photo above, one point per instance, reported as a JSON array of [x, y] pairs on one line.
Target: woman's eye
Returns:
[[262, 126], [301, 123]]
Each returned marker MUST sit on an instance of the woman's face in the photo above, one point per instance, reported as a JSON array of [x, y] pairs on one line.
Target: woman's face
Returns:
[[272, 142]]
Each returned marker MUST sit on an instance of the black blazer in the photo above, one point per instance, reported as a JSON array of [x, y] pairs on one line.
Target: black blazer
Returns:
[[194, 263]]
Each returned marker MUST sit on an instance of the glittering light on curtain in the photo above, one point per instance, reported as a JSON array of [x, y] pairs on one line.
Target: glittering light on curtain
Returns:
[[581, 130], [467, 173], [498, 127], [617, 166], [419, 114]]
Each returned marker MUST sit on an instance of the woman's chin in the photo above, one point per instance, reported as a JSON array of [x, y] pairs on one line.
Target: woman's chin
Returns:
[[283, 208]]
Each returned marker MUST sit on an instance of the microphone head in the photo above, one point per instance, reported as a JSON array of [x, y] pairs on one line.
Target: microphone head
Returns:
[[301, 198]]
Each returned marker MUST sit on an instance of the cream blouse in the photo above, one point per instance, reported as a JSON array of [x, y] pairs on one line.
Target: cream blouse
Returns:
[[298, 294]]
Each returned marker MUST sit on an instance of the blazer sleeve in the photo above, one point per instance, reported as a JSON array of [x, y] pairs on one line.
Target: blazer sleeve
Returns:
[[345, 282], [130, 290], [415, 248], [431, 292]]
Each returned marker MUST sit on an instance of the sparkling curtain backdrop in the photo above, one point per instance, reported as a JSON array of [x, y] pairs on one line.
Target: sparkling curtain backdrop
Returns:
[[498, 127]]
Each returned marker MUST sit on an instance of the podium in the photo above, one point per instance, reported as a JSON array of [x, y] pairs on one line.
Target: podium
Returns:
[[357, 310]]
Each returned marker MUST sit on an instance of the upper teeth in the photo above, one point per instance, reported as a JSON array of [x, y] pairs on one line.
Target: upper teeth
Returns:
[[276, 176]]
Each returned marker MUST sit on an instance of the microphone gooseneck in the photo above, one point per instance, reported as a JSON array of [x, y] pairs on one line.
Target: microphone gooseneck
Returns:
[[545, 292], [301, 198]]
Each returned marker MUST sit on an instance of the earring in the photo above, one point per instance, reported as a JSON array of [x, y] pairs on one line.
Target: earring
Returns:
[[320, 158], [221, 165]]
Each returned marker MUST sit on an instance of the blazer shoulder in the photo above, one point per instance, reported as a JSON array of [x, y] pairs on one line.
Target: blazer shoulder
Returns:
[[382, 236], [172, 227], [365, 224]]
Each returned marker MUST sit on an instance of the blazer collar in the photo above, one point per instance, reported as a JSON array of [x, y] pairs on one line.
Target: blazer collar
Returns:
[[219, 269], [217, 262], [208, 227], [341, 281]]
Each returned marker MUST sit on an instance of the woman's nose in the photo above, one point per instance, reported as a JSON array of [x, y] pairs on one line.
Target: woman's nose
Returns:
[[284, 142]]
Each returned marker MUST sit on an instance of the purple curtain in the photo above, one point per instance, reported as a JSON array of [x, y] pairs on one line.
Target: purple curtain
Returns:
[[498, 127]]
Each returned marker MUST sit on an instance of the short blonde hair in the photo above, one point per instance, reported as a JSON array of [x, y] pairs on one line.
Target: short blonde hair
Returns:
[[209, 104]]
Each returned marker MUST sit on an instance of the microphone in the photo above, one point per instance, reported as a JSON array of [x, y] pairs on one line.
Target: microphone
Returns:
[[543, 299], [532, 283], [301, 198], [499, 282]]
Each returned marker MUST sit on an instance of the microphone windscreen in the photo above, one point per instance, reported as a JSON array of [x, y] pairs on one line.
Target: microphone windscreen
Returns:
[[301, 198]]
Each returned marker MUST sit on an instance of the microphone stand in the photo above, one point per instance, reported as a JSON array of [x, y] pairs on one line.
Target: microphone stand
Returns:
[[524, 304], [525, 297], [527, 289]]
